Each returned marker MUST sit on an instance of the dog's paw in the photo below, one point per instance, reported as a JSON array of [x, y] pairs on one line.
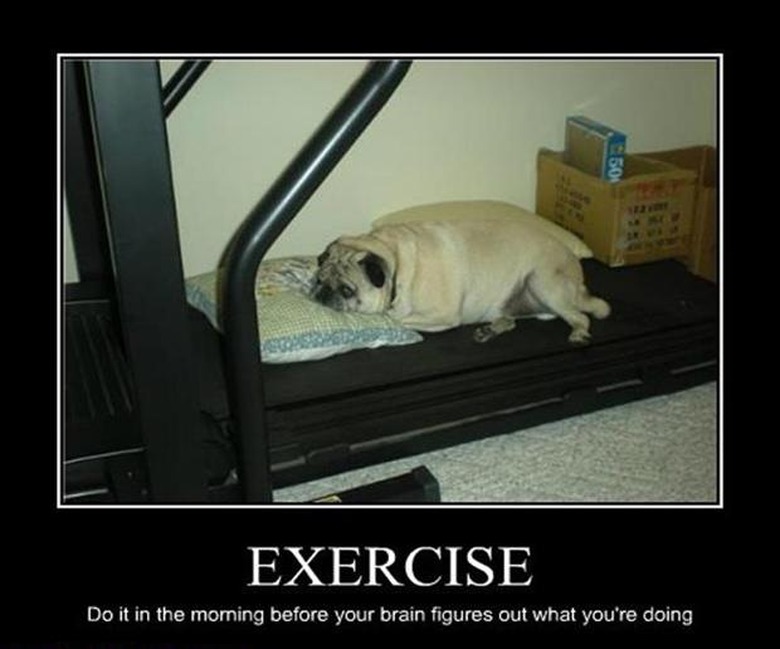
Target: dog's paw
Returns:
[[484, 333], [579, 337]]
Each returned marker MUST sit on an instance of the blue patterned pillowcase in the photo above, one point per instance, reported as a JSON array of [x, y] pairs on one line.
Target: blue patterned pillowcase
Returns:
[[292, 326]]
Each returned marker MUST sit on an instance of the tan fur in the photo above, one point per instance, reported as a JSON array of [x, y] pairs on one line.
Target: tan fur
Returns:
[[452, 273]]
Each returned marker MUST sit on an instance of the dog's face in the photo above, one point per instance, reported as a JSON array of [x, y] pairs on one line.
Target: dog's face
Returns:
[[351, 278]]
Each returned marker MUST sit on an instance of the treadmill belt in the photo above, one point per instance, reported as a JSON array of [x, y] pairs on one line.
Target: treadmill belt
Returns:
[[645, 299]]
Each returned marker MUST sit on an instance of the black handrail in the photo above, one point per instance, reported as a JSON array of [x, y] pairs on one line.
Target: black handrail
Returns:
[[180, 83], [259, 230]]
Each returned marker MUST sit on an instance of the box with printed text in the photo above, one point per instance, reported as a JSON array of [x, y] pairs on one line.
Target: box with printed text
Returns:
[[594, 148], [643, 217], [702, 257]]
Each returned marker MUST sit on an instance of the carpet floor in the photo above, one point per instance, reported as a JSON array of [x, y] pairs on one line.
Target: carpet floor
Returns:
[[660, 450]]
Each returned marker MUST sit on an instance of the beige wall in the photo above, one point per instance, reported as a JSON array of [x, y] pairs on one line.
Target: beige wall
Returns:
[[453, 130], [68, 259]]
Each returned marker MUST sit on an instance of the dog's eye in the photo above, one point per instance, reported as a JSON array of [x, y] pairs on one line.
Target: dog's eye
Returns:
[[346, 291]]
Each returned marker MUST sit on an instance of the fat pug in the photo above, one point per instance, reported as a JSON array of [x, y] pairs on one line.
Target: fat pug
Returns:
[[432, 276]]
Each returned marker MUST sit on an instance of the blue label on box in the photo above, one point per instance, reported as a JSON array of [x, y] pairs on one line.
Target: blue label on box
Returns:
[[614, 158]]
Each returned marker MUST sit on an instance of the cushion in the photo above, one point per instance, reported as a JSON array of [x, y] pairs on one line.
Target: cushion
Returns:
[[485, 209], [292, 326]]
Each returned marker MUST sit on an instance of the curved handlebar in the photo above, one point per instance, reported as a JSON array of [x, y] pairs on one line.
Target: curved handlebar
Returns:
[[255, 236]]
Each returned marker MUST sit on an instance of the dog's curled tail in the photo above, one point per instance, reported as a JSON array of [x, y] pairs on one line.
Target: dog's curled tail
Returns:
[[595, 306]]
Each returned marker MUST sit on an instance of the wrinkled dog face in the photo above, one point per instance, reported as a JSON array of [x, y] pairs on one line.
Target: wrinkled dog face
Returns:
[[350, 279]]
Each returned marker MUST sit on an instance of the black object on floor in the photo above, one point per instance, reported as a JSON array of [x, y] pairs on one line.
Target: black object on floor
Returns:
[[416, 486]]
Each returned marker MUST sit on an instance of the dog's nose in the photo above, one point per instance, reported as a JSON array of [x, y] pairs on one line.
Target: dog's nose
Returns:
[[322, 293]]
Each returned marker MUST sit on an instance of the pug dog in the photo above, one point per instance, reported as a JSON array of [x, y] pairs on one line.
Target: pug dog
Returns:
[[436, 275]]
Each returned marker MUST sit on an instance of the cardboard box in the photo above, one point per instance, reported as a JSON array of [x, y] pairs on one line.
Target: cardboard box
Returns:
[[594, 148], [644, 217], [702, 257]]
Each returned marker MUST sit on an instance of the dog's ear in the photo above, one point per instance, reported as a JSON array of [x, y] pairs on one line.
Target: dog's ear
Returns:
[[325, 254], [374, 267]]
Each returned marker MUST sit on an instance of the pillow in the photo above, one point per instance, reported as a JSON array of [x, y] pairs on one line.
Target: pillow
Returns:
[[491, 209], [292, 326]]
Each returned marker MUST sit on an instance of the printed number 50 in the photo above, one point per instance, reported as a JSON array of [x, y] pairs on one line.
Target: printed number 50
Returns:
[[615, 168]]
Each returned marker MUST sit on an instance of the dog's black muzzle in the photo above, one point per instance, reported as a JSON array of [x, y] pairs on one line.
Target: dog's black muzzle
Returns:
[[323, 294]]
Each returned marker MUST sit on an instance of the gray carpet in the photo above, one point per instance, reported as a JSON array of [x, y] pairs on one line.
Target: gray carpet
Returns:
[[659, 450]]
